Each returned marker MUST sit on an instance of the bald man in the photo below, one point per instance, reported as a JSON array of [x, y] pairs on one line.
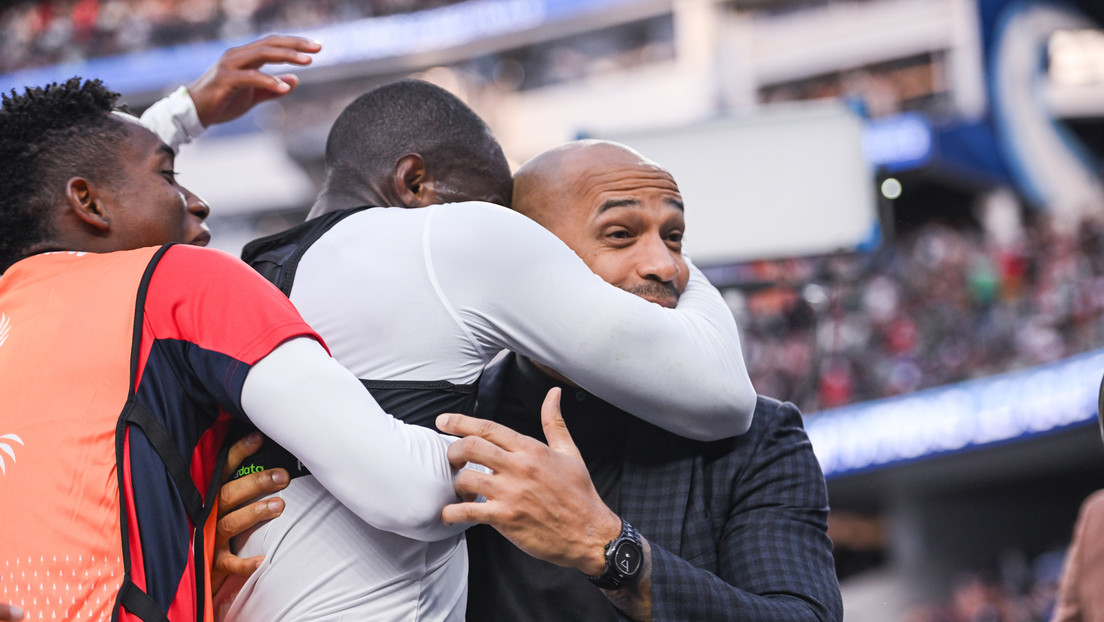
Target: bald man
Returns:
[[629, 521]]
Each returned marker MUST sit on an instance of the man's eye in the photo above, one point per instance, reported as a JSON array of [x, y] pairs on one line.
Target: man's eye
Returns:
[[675, 237], [619, 234], [170, 175]]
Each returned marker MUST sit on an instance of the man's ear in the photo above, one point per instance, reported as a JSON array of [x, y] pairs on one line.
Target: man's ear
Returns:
[[411, 181], [83, 201]]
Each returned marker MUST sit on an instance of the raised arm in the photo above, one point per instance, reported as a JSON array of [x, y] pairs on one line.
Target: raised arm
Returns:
[[518, 286], [229, 88]]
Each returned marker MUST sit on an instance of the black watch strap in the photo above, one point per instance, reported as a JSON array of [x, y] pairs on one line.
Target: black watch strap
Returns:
[[624, 560]]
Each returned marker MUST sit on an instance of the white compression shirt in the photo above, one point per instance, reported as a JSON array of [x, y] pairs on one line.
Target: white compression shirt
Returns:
[[434, 294]]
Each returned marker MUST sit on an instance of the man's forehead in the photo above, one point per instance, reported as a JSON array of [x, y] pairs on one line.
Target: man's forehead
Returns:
[[143, 134], [628, 182]]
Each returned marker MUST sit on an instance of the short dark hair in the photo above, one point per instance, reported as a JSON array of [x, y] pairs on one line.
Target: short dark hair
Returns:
[[47, 135], [413, 116]]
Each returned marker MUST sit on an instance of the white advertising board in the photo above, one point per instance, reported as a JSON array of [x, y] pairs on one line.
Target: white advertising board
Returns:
[[786, 181]]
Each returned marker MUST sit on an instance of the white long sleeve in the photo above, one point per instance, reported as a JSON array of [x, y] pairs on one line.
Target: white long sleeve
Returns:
[[520, 286], [394, 476]]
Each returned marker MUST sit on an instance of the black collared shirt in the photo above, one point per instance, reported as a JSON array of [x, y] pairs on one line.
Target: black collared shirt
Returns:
[[505, 584]]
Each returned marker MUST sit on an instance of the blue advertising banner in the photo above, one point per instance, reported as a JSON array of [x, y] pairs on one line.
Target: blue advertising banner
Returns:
[[960, 417]]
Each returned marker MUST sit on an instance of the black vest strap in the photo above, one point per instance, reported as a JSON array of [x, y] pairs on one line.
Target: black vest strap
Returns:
[[175, 464], [277, 256], [138, 603], [130, 596], [419, 402]]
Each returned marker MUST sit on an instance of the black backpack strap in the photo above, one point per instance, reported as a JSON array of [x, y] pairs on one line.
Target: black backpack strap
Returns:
[[277, 256]]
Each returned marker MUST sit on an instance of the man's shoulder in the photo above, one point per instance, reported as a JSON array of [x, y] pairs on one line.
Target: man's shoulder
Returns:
[[773, 419], [769, 415], [773, 412], [480, 215], [202, 263]]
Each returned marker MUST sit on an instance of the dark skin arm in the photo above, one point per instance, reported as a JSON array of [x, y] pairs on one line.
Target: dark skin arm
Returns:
[[236, 515], [235, 83], [540, 497], [10, 613]]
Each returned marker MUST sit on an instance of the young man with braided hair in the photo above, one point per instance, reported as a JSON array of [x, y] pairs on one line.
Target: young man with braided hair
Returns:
[[123, 362]]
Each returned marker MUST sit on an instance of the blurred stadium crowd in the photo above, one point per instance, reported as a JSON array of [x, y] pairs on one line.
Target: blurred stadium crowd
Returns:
[[34, 34], [940, 305], [1022, 593]]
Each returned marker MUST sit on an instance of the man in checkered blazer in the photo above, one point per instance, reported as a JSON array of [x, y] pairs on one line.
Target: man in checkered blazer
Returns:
[[618, 519]]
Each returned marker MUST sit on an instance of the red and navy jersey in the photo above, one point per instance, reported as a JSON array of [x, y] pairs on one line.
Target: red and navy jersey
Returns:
[[119, 375]]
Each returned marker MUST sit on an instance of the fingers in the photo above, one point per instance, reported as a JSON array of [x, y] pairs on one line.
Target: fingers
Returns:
[[467, 512], [463, 425], [239, 451], [271, 49], [256, 79], [555, 430], [241, 520], [10, 612], [279, 85], [236, 523], [478, 450], [235, 493], [227, 563], [289, 79], [470, 484]]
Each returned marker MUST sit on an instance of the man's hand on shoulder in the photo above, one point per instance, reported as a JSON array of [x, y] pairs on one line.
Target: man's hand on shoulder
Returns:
[[235, 516], [235, 83]]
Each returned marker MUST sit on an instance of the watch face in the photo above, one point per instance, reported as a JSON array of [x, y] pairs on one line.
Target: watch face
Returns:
[[627, 558]]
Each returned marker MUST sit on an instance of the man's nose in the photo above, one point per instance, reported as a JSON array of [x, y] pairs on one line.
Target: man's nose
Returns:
[[657, 261], [196, 205]]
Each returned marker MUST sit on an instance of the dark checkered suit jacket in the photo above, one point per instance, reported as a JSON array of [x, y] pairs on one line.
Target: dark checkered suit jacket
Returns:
[[738, 527]]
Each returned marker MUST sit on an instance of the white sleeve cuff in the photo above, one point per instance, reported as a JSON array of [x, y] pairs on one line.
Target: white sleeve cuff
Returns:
[[174, 119]]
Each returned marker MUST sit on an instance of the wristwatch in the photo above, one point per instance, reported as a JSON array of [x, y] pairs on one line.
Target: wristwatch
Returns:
[[624, 559]]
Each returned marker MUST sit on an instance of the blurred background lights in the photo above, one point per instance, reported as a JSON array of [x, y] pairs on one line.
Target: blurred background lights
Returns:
[[891, 188]]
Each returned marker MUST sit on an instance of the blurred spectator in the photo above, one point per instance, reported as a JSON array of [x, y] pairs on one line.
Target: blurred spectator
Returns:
[[941, 305], [977, 598], [46, 32]]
